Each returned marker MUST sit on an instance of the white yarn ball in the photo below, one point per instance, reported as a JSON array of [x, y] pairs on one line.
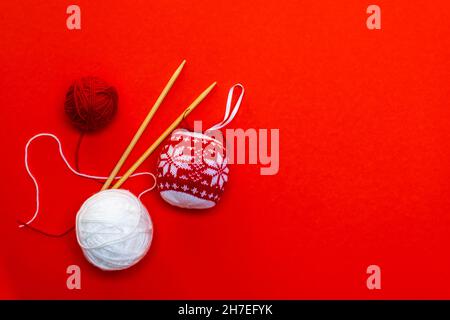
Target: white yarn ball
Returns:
[[114, 229]]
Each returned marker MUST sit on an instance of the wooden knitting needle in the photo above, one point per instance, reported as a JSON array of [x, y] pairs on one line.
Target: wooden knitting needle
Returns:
[[155, 144], [143, 126]]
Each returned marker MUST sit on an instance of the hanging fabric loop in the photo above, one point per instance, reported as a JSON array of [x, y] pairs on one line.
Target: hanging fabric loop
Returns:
[[229, 115]]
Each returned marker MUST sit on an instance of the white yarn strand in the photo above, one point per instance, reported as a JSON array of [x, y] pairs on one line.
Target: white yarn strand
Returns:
[[229, 117], [80, 174]]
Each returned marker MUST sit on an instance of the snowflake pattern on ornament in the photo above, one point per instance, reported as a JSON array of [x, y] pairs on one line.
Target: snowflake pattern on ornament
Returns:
[[195, 163], [173, 160], [218, 170]]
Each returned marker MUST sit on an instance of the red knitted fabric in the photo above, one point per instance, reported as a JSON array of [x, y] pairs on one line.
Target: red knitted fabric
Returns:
[[192, 170]]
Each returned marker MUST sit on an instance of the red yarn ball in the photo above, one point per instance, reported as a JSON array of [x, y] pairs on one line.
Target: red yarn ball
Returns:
[[91, 103]]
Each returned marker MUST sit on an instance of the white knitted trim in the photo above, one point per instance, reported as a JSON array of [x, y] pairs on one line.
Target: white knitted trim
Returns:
[[185, 200]]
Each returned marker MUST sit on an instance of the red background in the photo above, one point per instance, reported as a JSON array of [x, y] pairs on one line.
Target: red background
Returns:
[[364, 147]]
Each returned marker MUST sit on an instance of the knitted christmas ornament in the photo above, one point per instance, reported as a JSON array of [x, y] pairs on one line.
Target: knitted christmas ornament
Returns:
[[193, 167]]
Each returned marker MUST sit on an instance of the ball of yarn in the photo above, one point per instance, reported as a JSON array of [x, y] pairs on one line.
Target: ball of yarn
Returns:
[[91, 103], [192, 170], [114, 229]]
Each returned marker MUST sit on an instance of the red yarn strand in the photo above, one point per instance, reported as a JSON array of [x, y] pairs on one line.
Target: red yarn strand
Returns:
[[52, 235], [77, 151]]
